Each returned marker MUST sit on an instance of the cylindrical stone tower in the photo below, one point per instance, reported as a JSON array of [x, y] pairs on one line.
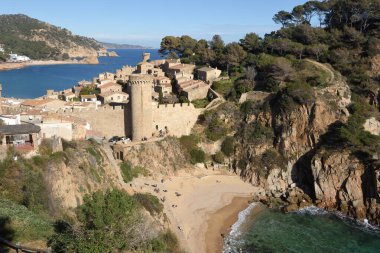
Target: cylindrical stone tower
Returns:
[[146, 57], [141, 106]]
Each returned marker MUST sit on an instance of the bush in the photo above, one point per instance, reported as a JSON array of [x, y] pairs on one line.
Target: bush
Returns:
[[197, 156], [189, 142], [150, 202], [200, 103], [109, 222], [222, 87], [228, 146], [130, 173], [215, 129], [166, 242], [219, 157]]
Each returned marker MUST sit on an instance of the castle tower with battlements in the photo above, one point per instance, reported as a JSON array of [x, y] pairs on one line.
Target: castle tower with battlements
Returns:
[[141, 106]]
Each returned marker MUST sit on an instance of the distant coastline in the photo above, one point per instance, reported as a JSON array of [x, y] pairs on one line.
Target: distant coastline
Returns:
[[19, 65], [108, 46]]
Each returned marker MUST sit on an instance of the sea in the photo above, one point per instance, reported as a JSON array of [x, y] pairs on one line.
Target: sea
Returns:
[[33, 81], [308, 230]]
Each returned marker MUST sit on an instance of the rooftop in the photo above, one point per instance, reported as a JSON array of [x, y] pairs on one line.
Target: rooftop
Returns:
[[36, 102], [19, 129], [182, 66], [206, 69], [107, 85], [110, 93], [89, 96]]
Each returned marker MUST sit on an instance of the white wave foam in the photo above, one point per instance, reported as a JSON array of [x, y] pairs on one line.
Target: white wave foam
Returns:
[[363, 225], [233, 240]]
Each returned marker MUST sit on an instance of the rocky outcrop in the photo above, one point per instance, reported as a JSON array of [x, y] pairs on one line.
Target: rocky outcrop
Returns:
[[296, 168], [112, 54], [343, 182], [90, 60], [372, 125], [160, 157]]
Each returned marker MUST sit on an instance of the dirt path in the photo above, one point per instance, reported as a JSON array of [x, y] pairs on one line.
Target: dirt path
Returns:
[[324, 67]]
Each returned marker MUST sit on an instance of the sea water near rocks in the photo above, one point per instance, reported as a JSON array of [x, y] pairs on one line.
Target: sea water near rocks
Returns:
[[33, 81], [308, 230]]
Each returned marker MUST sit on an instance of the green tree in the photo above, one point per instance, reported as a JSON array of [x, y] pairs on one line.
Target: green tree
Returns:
[[234, 54], [169, 44], [283, 17], [217, 44], [251, 43]]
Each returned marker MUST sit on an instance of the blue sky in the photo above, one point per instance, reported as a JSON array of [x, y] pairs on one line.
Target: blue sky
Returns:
[[147, 22]]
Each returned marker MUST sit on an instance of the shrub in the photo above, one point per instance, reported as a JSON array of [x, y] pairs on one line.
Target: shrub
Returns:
[[219, 157], [197, 156], [166, 242], [223, 87], [189, 142], [150, 202], [260, 132], [130, 173], [228, 146], [109, 222], [215, 129], [200, 103]]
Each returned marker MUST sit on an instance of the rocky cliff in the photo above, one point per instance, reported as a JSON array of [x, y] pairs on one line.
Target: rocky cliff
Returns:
[[286, 155]]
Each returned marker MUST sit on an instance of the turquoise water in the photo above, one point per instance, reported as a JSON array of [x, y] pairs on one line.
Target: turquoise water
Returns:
[[33, 81], [310, 230]]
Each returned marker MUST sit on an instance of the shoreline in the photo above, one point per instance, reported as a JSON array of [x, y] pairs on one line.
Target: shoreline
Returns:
[[202, 196], [20, 65], [220, 222]]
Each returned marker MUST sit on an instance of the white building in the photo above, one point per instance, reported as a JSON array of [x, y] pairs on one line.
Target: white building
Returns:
[[18, 58], [11, 119]]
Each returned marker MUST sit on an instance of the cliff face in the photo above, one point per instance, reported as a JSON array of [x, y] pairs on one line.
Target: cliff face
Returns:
[[79, 171], [162, 157], [295, 168], [343, 182]]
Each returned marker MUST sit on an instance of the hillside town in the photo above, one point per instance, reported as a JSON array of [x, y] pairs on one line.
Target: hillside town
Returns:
[[134, 104]]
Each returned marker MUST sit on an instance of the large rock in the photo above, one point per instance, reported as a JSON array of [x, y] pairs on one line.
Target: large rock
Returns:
[[343, 182]]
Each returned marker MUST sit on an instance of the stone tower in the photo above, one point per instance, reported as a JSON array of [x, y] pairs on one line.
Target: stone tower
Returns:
[[141, 106], [146, 57]]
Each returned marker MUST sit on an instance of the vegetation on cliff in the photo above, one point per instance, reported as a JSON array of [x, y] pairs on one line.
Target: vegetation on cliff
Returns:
[[72, 201], [314, 84], [39, 40]]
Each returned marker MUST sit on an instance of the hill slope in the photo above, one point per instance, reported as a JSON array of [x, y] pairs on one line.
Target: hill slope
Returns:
[[39, 40]]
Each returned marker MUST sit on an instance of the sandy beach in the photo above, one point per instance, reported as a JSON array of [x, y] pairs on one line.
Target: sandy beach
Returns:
[[194, 214]]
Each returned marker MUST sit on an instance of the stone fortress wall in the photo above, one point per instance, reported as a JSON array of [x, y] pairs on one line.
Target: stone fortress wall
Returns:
[[117, 120], [106, 119], [178, 119]]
